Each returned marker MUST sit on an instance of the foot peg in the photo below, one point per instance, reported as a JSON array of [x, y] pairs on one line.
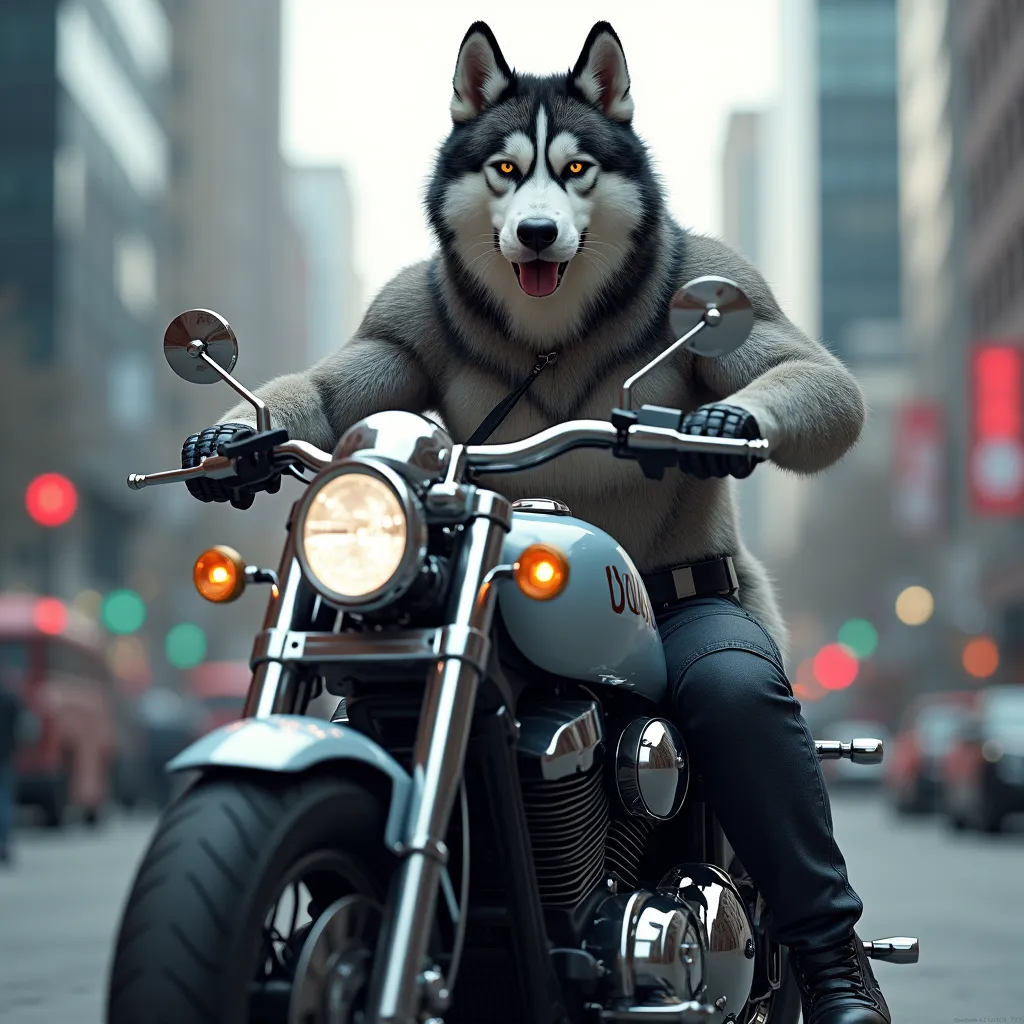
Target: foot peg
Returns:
[[863, 751], [900, 949]]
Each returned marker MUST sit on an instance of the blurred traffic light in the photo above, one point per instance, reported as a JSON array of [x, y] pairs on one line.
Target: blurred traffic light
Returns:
[[50, 616], [835, 667], [51, 499], [980, 657], [860, 637], [123, 612], [914, 606], [185, 645]]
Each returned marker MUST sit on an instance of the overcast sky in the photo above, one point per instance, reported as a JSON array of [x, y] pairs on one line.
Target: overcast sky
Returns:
[[367, 85]]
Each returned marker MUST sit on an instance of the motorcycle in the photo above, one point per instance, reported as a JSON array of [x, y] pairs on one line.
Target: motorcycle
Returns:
[[450, 794]]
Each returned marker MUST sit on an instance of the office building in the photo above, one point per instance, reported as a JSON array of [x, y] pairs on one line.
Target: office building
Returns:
[[858, 178], [85, 167]]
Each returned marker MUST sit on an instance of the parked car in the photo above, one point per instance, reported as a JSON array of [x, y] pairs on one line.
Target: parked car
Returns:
[[57, 666], [984, 770], [844, 772], [912, 769]]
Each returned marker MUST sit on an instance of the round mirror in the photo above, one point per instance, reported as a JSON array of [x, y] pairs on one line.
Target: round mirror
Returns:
[[726, 329], [215, 334]]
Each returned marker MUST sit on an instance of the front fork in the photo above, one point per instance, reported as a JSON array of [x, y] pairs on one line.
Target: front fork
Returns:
[[437, 768], [438, 756]]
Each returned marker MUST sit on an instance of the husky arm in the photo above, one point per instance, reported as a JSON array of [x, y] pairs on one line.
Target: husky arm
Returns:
[[376, 369], [806, 402]]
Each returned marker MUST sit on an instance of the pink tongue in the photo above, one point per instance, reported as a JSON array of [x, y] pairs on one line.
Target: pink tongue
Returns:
[[538, 278]]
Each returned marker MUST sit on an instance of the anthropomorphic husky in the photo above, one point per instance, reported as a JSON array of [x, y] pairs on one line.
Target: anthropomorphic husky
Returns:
[[554, 239]]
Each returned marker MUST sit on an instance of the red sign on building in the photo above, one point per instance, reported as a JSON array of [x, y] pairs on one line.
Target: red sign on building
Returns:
[[920, 469], [996, 466]]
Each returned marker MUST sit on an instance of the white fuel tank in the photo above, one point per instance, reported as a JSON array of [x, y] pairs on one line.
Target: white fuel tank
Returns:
[[601, 628]]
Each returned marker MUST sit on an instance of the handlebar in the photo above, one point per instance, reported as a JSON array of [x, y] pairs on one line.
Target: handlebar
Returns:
[[493, 458]]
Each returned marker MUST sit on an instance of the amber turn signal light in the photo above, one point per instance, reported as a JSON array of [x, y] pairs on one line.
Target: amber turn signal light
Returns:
[[541, 572], [219, 574]]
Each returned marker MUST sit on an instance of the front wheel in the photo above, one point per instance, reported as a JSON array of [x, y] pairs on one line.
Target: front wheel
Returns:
[[241, 871]]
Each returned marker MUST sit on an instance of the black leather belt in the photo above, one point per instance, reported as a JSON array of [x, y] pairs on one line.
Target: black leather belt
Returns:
[[715, 578]]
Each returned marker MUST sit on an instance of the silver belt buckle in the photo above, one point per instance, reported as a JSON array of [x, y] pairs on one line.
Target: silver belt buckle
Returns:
[[682, 580]]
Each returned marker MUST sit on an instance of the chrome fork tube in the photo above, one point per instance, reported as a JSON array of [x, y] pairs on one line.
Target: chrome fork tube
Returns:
[[438, 759], [272, 690]]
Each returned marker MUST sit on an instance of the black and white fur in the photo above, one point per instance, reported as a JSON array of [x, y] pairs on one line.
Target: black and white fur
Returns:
[[456, 334]]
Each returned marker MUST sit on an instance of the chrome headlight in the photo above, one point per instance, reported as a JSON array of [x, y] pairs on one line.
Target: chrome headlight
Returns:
[[361, 536]]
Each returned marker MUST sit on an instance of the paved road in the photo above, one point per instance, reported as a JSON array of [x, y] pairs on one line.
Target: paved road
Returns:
[[962, 895]]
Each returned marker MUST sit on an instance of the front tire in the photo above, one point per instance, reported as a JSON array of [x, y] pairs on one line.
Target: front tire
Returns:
[[193, 940]]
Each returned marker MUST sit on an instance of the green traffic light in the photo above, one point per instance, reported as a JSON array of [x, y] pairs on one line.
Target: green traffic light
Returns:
[[123, 612], [185, 645], [860, 637]]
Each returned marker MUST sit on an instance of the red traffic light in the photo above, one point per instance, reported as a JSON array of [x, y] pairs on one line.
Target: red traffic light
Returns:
[[51, 499]]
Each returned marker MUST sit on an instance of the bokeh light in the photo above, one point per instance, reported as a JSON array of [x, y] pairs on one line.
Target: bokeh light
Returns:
[[914, 606], [129, 660], [50, 616], [88, 602], [51, 499], [123, 612], [981, 657], [835, 667], [185, 645], [805, 686], [860, 637]]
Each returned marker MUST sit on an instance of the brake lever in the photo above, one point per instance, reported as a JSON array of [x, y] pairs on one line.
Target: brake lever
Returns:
[[213, 467]]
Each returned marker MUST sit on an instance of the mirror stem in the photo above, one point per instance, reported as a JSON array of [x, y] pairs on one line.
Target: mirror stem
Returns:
[[628, 386], [262, 412]]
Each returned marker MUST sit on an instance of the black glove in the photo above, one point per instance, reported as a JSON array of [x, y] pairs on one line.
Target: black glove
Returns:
[[719, 420], [198, 447]]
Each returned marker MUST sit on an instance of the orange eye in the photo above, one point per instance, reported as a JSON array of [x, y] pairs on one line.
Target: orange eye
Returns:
[[575, 167], [507, 168]]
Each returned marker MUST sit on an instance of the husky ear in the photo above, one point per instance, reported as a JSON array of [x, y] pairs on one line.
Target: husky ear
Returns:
[[601, 75], [481, 74]]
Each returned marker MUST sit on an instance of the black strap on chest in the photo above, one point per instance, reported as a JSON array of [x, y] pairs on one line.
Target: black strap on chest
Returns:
[[496, 416]]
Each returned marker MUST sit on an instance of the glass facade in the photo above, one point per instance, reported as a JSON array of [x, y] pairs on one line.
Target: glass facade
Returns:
[[859, 172], [27, 139], [84, 170]]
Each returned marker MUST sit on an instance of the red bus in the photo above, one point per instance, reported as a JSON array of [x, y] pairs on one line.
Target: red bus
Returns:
[[53, 658]]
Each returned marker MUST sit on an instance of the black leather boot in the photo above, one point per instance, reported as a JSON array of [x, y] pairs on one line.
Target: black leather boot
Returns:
[[837, 985]]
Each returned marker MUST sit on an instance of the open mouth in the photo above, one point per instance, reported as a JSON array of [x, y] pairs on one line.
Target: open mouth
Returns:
[[539, 277]]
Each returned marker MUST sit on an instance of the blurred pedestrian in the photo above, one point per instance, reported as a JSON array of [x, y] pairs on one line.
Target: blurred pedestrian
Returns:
[[13, 723]]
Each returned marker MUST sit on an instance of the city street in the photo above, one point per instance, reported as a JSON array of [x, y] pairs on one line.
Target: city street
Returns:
[[962, 895]]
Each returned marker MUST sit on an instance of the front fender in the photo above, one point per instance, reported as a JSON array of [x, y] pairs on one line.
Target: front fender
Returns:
[[296, 743]]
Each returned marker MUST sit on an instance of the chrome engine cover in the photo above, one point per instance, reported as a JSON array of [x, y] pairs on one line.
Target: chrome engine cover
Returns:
[[651, 769], [652, 946], [726, 933]]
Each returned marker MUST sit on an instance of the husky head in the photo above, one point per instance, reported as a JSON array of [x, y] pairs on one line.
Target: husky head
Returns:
[[543, 197]]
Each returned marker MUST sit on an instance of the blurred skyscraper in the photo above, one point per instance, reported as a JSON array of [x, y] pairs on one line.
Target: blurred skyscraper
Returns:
[[140, 174], [320, 200], [85, 166], [235, 249], [858, 157]]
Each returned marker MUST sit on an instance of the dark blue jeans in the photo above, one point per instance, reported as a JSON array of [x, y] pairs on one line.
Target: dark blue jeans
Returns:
[[750, 744]]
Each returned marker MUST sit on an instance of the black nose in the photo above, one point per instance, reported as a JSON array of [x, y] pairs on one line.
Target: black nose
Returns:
[[537, 233]]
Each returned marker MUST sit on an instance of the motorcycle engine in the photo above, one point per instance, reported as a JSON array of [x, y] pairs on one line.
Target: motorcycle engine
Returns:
[[691, 941]]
